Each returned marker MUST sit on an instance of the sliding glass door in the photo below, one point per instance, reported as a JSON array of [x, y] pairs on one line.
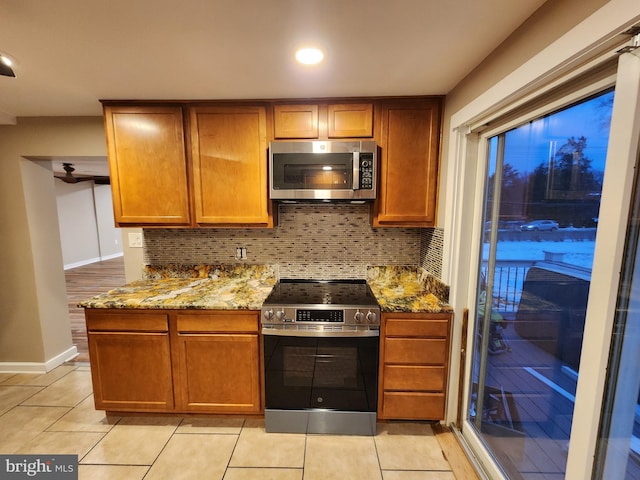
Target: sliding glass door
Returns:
[[541, 213], [552, 372], [618, 444]]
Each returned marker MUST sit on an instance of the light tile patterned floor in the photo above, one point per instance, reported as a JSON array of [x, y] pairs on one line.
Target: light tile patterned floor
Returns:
[[54, 413]]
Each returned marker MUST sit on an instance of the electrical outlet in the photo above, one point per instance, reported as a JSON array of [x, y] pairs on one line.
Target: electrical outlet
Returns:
[[241, 253], [135, 240]]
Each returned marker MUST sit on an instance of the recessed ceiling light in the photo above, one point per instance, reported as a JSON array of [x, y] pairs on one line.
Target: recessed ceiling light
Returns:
[[5, 66], [309, 56]]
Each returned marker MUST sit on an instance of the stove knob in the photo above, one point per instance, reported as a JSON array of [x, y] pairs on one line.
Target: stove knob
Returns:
[[359, 316], [372, 317], [268, 314], [281, 315]]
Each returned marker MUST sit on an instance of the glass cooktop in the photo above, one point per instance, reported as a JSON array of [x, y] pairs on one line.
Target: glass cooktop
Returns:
[[321, 292]]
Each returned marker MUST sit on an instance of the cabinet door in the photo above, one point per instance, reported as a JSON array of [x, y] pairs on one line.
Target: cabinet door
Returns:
[[147, 165], [410, 134], [323, 120], [352, 120], [218, 373], [295, 121], [229, 150], [131, 371]]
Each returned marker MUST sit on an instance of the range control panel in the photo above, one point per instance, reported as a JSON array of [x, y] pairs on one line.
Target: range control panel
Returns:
[[274, 315], [329, 316]]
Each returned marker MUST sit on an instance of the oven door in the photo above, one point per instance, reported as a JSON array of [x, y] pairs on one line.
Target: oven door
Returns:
[[323, 384]]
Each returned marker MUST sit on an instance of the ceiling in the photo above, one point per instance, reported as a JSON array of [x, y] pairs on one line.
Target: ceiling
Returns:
[[69, 54]]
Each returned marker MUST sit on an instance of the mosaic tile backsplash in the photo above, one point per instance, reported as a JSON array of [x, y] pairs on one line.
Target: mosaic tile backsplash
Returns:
[[311, 241]]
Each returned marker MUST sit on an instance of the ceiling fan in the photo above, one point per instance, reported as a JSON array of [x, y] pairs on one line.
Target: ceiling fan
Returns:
[[70, 178]]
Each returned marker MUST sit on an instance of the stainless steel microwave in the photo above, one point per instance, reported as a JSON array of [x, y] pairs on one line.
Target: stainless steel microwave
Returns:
[[323, 170]]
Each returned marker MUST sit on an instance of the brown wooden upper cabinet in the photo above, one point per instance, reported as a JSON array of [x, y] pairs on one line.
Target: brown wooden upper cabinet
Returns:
[[323, 120], [191, 164], [409, 156], [229, 153], [148, 166], [219, 180]]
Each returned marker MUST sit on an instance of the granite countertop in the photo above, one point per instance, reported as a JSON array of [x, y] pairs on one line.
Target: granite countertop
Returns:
[[245, 287], [213, 287], [408, 289]]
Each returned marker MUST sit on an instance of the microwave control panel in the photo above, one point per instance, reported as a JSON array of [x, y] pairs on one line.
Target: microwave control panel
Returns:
[[366, 171]]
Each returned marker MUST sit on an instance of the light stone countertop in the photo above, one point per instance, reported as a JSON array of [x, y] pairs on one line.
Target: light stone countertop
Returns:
[[245, 287], [204, 287], [408, 289]]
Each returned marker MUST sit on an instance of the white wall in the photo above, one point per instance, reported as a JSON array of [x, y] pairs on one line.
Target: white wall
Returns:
[[85, 218], [109, 236]]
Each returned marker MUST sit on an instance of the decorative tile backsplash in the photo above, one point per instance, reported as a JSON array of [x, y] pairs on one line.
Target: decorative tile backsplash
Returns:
[[431, 246], [311, 241]]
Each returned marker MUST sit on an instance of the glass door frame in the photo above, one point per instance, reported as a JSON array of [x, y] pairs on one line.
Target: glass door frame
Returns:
[[472, 150], [607, 265]]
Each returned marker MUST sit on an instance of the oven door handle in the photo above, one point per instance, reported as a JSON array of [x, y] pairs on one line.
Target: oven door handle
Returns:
[[290, 332]]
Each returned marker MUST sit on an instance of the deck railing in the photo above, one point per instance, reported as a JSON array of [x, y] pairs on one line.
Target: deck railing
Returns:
[[508, 280]]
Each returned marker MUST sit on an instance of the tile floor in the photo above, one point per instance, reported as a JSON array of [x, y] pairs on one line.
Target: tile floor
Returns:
[[54, 413]]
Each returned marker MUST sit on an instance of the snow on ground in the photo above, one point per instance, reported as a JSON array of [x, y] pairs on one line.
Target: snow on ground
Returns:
[[578, 253], [509, 279]]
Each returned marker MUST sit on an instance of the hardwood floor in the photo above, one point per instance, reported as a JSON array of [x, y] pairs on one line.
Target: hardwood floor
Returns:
[[84, 282]]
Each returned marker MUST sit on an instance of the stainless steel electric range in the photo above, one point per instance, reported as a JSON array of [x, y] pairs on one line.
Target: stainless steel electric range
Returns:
[[321, 342]]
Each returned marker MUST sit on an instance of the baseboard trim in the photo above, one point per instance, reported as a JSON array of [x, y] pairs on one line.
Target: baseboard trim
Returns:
[[89, 261], [36, 367]]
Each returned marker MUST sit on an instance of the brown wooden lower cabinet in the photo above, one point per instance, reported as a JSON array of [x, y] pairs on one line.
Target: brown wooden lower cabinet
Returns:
[[130, 361], [146, 361], [414, 366], [210, 362], [217, 372]]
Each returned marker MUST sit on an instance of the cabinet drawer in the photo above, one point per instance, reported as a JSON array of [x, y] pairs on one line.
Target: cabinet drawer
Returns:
[[245, 322], [127, 322], [416, 328], [413, 378], [415, 350], [413, 406]]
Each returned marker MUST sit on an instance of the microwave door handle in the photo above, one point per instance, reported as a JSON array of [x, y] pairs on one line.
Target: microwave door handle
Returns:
[[356, 170]]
